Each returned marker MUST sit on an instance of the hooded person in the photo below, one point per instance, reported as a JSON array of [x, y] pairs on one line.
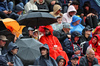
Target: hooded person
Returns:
[[53, 43], [45, 59], [61, 61], [71, 46], [76, 24], [96, 31], [11, 55], [67, 17], [41, 4], [56, 11], [30, 6]]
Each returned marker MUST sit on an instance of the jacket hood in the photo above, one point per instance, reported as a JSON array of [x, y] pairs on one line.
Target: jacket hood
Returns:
[[75, 18], [39, 2], [87, 28], [95, 31], [87, 3], [44, 46], [74, 34], [50, 28], [25, 32], [12, 46], [59, 58], [56, 8], [32, 2], [71, 8]]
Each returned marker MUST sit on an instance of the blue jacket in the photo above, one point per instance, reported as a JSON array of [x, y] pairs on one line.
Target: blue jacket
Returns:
[[3, 6], [68, 44], [3, 61], [13, 58], [78, 27], [70, 64]]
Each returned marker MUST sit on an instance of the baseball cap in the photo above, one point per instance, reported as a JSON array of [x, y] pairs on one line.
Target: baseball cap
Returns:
[[2, 37], [66, 25], [30, 28], [74, 56]]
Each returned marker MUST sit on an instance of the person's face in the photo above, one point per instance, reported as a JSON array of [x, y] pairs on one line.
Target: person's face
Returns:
[[91, 55], [44, 52], [67, 29], [76, 7], [2, 43], [87, 34], [58, 11], [36, 34], [30, 32], [94, 40], [59, 20], [74, 61], [40, 1], [47, 32], [87, 8], [14, 51], [61, 62], [72, 13], [76, 39]]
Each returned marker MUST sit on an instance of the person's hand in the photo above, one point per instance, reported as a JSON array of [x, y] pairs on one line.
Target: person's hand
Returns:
[[82, 14], [9, 12], [77, 52], [53, 2], [10, 64], [6, 12]]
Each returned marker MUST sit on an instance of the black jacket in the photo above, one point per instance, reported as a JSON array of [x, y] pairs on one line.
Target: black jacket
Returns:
[[84, 61], [42, 61]]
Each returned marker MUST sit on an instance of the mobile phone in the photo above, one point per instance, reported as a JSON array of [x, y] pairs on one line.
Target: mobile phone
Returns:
[[12, 62]]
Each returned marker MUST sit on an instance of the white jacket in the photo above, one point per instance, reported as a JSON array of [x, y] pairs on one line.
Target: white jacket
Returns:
[[30, 6], [66, 17]]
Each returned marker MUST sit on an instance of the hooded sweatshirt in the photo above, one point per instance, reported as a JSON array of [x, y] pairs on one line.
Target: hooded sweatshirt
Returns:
[[59, 58], [66, 17], [13, 58], [78, 27], [42, 61], [55, 9], [30, 6], [53, 41]]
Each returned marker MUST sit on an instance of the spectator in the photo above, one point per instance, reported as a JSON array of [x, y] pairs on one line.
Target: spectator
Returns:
[[63, 33], [57, 26], [96, 31], [3, 61], [67, 17], [86, 32], [61, 61], [45, 59], [56, 11], [10, 4], [36, 34], [31, 6], [76, 24], [51, 4], [30, 30], [72, 46], [53, 43], [19, 7], [90, 15], [89, 59], [73, 61], [41, 4], [3, 40], [5, 12], [64, 5], [11, 55]]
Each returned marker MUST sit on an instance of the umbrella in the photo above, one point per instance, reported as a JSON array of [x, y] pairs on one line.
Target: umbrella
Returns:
[[36, 19], [13, 26], [28, 50]]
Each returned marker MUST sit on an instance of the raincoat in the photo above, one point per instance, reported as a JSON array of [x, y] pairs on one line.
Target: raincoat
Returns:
[[13, 58], [59, 58], [95, 31], [70, 46], [3, 61], [30, 6], [55, 9], [42, 5], [42, 61], [53, 41], [66, 17], [78, 27], [3, 6]]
